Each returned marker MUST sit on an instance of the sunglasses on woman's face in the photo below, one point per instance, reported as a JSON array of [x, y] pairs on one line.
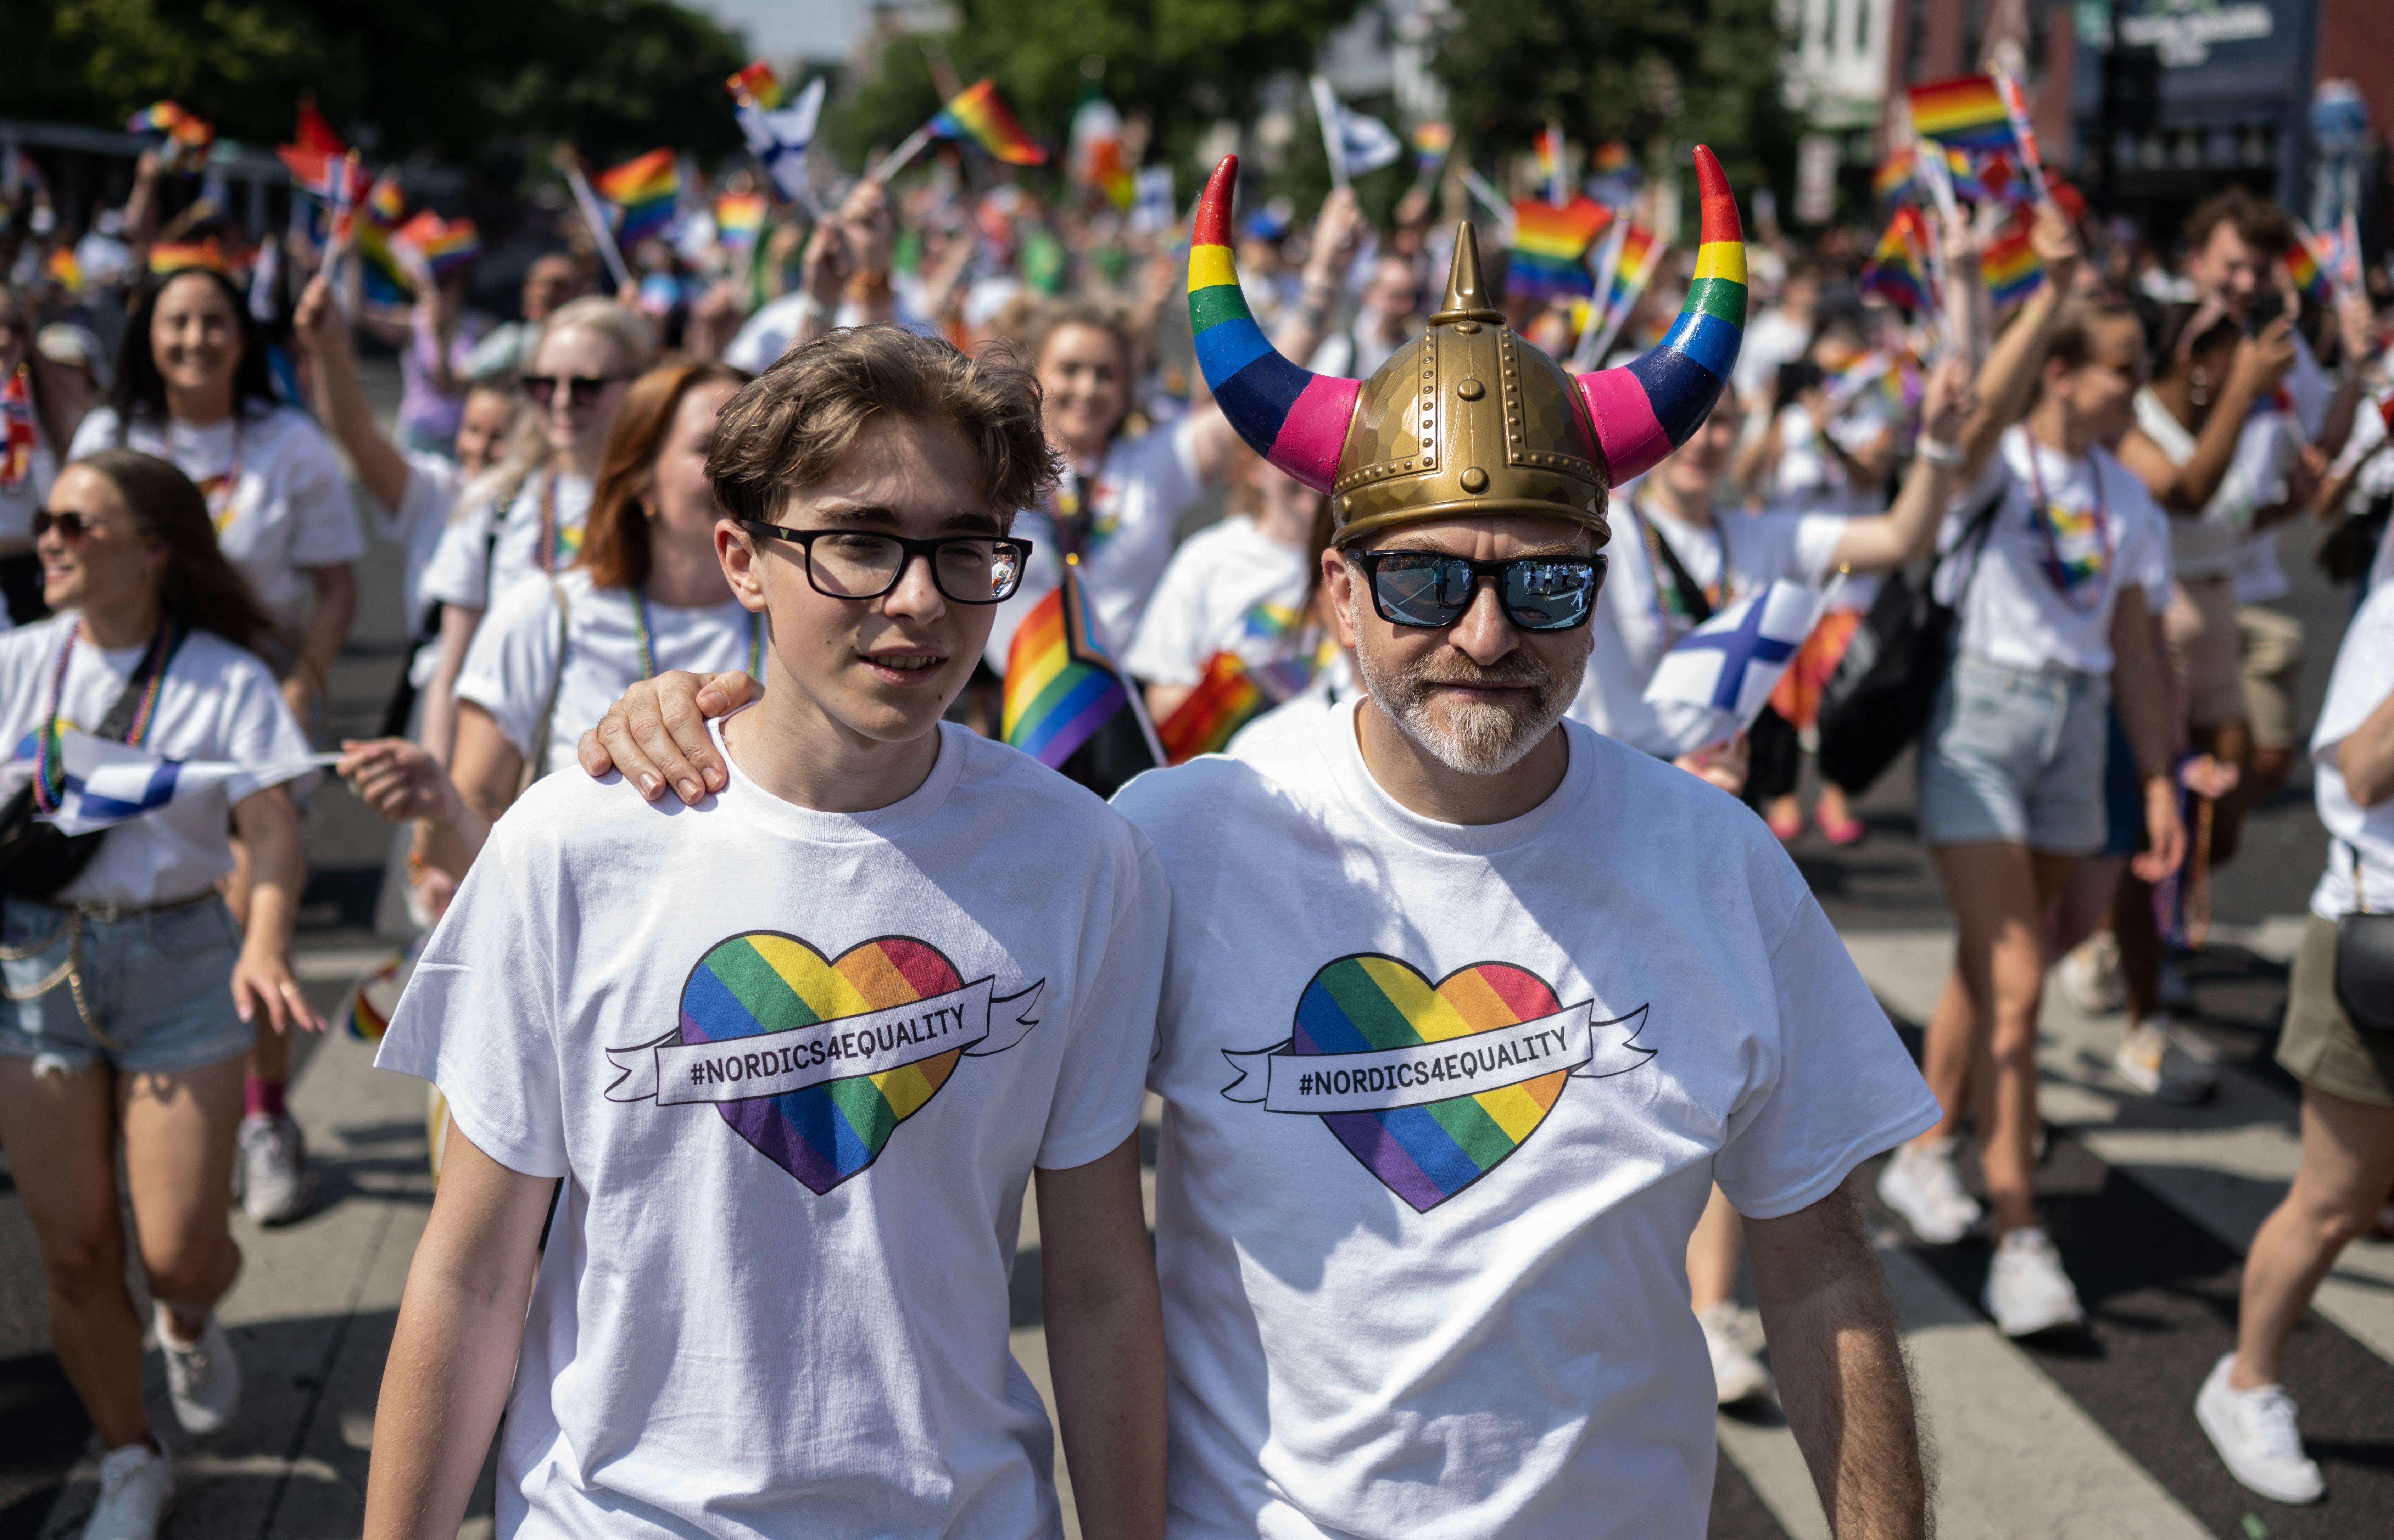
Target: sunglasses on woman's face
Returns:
[[70, 524], [581, 390], [1429, 588]]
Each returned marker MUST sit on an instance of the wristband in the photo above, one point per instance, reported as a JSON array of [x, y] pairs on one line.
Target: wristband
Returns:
[[1936, 452]]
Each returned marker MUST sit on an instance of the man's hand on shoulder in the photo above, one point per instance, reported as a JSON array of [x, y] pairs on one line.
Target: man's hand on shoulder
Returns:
[[656, 734]]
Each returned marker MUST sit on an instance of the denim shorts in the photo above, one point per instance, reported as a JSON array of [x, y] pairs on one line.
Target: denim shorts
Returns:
[[158, 985], [2016, 756]]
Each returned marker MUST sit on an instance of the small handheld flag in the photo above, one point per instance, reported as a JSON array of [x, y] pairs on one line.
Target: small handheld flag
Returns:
[[1894, 178], [182, 138], [2023, 133], [2011, 266], [1153, 209], [1431, 143], [1551, 246], [1714, 684], [1549, 143], [755, 86], [1966, 112], [1633, 268], [778, 136], [1897, 271], [1613, 177], [374, 998], [445, 245], [1065, 694], [1227, 698], [977, 113], [1096, 160], [1355, 142], [642, 191], [739, 219], [108, 783]]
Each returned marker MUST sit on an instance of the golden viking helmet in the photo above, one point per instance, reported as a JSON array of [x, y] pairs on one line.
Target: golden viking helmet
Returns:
[[1469, 419]]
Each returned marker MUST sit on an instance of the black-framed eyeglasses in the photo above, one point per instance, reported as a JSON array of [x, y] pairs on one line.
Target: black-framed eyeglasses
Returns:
[[1430, 589], [70, 524], [579, 389], [968, 568]]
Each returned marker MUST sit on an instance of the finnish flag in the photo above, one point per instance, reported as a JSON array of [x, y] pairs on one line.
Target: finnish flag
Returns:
[[1356, 142], [109, 782], [779, 139], [1152, 208], [1714, 684]]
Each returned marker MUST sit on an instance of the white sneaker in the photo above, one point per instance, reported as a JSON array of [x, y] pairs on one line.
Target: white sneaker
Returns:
[[1738, 1375], [1920, 1183], [203, 1377], [2152, 1060], [2027, 1292], [271, 1169], [2091, 975], [2255, 1433], [137, 1487]]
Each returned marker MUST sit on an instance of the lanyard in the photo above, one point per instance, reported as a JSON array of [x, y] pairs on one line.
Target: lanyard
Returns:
[[2068, 578], [220, 490], [546, 552], [644, 639], [16, 418], [1071, 517], [1672, 620], [49, 767]]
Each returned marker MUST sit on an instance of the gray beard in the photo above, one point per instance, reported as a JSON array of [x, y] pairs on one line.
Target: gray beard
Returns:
[[1472, 739]]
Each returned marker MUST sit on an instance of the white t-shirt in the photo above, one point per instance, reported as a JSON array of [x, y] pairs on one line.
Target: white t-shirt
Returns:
[[786, 1313], [274, 486], [1135, 495], [2109, 529], [2206, 545], [1808, 478], [2309, 392], [1639, 617], [471, 570], [2362, 678], [765, 337], [1774, 339], [20, 502], [512, 664], [217, 703], [434, 483], [1468, 1314], [1229, 588]]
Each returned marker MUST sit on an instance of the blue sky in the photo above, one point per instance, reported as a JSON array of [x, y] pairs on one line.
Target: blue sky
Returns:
[[781, 30]]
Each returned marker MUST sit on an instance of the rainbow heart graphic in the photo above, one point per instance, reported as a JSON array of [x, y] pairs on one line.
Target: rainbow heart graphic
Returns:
[[764, 982], [1427, 1153]]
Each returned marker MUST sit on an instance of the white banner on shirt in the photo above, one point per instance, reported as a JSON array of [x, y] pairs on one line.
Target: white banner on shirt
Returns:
[[741, 1069], [1378, 1079]]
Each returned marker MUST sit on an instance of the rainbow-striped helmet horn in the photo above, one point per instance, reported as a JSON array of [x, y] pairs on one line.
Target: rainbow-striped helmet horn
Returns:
[[1651, 405], [1291, 417]]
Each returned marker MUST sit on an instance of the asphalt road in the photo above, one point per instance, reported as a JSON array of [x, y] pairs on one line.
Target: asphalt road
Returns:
[[2090, 1434]]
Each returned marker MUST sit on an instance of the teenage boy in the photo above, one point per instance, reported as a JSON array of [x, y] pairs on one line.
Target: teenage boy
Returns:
[[796, 1059], [1469, 1009]]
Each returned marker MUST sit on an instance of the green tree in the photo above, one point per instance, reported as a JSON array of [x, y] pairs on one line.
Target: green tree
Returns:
[[1657, 77]]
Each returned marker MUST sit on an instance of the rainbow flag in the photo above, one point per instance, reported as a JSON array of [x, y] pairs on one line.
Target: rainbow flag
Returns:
[[383, 203], [2308, 273], [1431, 143], [1640, 253], [1897, 175], [1551, 246], [445, 245], [184, 138], [739, 218], [1548, 143], [167, 257], [756, 86], [1898, 271], [1227, 698], [316, 159], [643, 190], [1612, 159], [977, 113], [2010, 265], [367, 1012], [1065, 693], [1966, 114], [1613, 176], [64, 270]]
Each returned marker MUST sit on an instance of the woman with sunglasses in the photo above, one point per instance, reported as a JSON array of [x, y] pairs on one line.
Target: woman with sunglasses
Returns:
[[192, 388], [649, 594], [528, 518], [40, 404], [121, 1022]]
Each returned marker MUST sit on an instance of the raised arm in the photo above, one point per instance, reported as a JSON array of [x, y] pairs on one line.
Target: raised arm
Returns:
[[1842, 1376], [340, 400], [2008, 380], [1908, 530]]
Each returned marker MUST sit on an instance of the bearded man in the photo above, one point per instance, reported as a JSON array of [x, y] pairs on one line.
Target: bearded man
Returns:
[[1466, 1008]]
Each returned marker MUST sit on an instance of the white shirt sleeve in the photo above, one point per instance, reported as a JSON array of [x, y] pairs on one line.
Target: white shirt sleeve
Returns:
[[96, 432], [1166, 460], [259, 730], [431, 490], [1164, 651], [323, 517], [511, 669], [1102, 1083], [459, 573], [477, 1018], [1837, 1088]]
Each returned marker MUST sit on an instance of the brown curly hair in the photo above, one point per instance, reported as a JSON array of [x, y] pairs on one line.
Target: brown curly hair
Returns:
[[199, 589], [615, 545]]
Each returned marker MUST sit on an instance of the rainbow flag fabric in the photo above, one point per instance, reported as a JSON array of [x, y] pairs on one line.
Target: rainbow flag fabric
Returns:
[[755, 86], [1227, 698], [643, 190], [183, 136], [1551, 246], [739, 219], [1897, 272], [978, 113], [1063, 688], [2010, 265], [1431, 141], [1963, 114], [445, 245], [1639, 253], [64, 269], [1296, 419], [1896, 178], [169, 256], [2309, 274]]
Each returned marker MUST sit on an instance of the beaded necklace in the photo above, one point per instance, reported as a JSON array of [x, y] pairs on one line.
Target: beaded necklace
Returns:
[[2090, 574]]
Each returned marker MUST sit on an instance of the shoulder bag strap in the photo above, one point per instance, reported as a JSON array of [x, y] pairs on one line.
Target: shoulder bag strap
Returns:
[[539, 755], [1692, 596]]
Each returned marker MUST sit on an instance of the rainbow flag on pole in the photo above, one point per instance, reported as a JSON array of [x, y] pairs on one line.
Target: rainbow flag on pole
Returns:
[[1966, 114], [183, 137], [1065, 693], [1551, 246], [2010, 265], [643, 190], [1227, 698], [739, 219], [1898, 272], [977, 113], [445, 245]]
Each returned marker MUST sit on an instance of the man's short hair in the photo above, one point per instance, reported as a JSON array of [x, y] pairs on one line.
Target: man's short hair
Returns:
[[2072, 343], [787, 428], [2261, 224]]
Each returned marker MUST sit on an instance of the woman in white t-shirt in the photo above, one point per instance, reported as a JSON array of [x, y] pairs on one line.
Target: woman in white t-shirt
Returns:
[[192, 387], [121, 1023], [526, 519], [2346, 1073], [648, 595], [2058, 545], [40, 404], [1244, 591]]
